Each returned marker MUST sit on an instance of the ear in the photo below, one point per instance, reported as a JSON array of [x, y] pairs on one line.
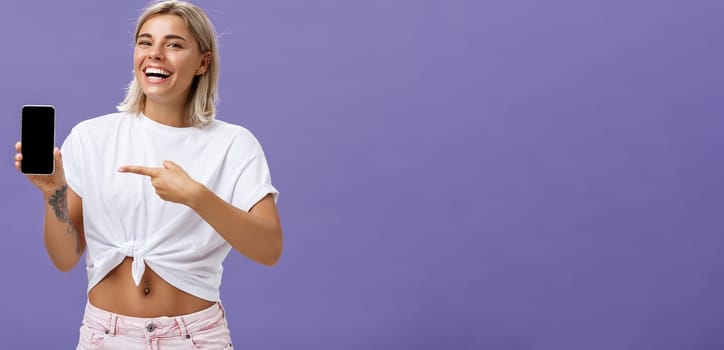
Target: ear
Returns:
[[205, 62]]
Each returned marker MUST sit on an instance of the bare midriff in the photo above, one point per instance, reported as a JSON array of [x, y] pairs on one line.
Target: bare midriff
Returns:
[[154, 297]]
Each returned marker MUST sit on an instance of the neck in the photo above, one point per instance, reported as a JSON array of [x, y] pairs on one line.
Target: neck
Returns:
[[168, 114]]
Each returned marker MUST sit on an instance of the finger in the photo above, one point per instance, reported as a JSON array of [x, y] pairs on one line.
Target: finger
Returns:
[[18, 146], [140, 170], [58, 158], [18, 157], [169, 164]]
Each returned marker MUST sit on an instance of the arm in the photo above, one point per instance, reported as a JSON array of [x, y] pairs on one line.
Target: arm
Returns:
[[63, 224], [63, 227], [256, 234]]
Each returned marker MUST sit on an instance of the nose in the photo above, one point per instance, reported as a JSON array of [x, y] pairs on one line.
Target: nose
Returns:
[[155, 53]]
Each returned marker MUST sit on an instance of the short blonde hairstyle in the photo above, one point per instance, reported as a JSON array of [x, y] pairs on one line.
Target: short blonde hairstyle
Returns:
[[203, 96]]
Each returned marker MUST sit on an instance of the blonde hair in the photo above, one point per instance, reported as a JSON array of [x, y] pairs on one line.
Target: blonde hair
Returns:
[[203, 96]]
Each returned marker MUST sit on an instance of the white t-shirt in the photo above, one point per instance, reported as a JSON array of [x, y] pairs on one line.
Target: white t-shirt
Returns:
[[123, 216]]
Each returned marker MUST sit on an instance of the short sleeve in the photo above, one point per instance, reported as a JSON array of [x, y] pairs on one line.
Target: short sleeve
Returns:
[[253, 182], [71, 152]]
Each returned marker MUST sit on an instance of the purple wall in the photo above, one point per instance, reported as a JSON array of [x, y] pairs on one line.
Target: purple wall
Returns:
[[455, 174]]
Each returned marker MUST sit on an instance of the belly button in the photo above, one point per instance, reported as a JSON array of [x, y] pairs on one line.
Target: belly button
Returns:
[[146, 290]]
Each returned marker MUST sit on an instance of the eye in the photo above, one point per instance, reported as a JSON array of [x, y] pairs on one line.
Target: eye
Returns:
[[144, 43], [174, 45]]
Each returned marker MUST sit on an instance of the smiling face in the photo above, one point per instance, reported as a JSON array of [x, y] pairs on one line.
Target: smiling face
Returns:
[[166, 59]]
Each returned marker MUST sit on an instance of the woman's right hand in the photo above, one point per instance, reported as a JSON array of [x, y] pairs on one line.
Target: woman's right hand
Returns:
[[47, 184]]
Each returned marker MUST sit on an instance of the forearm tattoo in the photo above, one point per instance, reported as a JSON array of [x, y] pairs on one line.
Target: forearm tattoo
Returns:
[[59, 202]]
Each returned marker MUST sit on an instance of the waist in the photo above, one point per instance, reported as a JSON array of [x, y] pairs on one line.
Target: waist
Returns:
[[153, 297]]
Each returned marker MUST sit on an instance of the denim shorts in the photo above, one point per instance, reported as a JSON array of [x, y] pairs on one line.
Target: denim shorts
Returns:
[[205, 329]]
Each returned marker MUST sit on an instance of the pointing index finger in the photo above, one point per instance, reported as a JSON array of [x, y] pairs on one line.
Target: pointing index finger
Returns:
[[140, 170]]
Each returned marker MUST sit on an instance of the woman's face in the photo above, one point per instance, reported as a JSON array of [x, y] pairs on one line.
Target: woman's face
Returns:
[[166, 58]]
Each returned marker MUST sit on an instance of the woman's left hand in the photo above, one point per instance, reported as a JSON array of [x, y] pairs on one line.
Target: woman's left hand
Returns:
[[171, 182]]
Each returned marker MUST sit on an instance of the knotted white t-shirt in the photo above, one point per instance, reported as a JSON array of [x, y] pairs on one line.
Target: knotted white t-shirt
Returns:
[[124, 217]]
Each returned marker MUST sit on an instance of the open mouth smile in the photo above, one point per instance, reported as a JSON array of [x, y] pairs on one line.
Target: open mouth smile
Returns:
[[157, 74]]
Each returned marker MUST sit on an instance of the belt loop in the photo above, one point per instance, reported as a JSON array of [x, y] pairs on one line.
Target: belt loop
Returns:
[[112, 325], [223, 311], [182, 326]]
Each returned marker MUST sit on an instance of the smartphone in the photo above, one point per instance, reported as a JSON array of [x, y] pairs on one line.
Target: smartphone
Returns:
[[38, 139]]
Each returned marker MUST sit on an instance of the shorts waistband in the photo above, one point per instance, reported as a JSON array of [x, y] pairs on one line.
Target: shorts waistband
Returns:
[[111, 323]]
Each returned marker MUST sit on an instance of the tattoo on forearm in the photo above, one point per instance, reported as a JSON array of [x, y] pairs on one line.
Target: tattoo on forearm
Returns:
[[59, 202]]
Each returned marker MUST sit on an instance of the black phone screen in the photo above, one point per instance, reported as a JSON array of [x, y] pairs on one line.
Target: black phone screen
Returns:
[[38, 139]]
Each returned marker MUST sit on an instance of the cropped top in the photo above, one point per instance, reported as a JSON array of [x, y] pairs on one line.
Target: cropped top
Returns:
[[124, 217]]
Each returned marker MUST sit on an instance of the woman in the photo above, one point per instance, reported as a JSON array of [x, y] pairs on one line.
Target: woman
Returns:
[[158, 194]]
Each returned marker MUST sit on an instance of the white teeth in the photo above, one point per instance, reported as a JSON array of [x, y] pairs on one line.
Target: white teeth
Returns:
[[151, 70]]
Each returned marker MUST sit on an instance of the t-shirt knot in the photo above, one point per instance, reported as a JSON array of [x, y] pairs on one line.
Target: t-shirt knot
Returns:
[[135, 250]]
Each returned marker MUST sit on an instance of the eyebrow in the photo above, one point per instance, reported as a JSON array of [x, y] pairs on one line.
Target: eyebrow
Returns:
[[169, 36]]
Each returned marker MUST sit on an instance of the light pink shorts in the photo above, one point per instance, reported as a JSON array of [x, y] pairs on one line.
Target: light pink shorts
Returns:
[[205, 329]]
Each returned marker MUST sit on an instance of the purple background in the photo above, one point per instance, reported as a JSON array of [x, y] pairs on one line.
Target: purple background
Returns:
[[455, 174]]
